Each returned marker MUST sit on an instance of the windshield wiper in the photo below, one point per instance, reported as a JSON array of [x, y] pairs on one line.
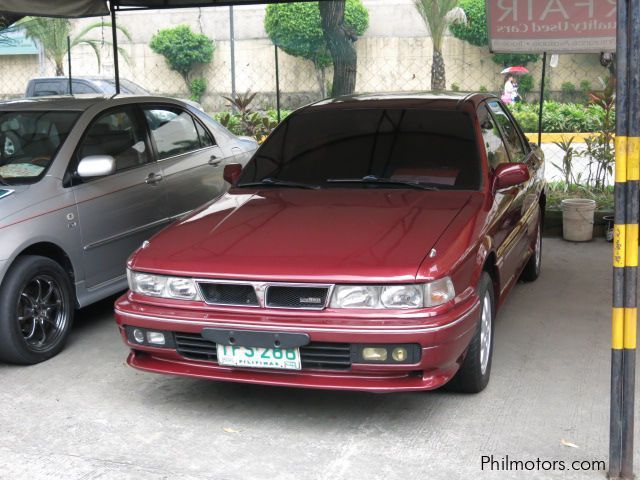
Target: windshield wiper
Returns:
[[374, 179], [274, 182]]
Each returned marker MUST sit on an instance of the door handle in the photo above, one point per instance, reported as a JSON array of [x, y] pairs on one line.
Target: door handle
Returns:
[[215, 161], [153, 178]]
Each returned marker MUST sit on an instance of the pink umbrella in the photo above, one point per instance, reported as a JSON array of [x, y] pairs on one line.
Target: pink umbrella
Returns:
[[515, 70]]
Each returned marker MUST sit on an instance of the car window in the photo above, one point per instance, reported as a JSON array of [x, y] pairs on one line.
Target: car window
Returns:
[[172, 130], [29, 141], [116, 133], [415, 145], [46, 88], [494, 146], [511, 137], [81, 87], [205, 137]]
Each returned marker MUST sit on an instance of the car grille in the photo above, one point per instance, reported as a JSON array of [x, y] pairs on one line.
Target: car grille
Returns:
[[296, 297], [316, 355], [229, 294]]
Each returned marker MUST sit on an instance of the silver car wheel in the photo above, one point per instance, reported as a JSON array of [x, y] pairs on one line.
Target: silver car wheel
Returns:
[[538, 252], [485, 333], [42, 313]]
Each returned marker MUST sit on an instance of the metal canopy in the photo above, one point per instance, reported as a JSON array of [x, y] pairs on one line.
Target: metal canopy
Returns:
[[94, 8]]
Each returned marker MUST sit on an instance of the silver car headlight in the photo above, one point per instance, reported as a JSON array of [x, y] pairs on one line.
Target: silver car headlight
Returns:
[[161, 286], [420, 295]]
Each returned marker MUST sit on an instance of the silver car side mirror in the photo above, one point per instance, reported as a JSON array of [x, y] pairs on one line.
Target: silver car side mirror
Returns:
[[96, 166]]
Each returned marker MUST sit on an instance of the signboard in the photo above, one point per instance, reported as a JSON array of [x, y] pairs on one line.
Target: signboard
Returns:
[[536, 26]]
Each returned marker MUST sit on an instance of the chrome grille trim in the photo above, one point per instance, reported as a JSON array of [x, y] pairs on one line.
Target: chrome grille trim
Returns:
[[260, 289]]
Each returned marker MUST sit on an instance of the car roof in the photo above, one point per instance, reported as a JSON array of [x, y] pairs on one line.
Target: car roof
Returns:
[[77, 103], [80, 77], [444, 100]]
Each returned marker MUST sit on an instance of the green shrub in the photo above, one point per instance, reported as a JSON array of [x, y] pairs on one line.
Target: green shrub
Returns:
[[559, 117], [483, 89], [183, 49], [197, 88], [455, 87], [568, 90], [525, 85]]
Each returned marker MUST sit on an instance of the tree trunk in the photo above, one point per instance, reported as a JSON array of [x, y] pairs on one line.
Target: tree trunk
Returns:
[[438, 78], [59, 69], [339, 38]]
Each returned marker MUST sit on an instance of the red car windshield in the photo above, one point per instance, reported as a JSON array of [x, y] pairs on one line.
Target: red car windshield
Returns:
[[356, 148]]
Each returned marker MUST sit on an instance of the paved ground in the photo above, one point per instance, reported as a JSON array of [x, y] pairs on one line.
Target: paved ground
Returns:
[[86, 415]]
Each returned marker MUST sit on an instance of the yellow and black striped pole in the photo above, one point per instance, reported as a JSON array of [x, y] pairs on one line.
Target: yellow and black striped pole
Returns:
[[625, 248]]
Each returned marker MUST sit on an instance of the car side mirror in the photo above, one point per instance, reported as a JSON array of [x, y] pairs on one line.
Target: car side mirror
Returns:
[[510, 174], [96, 166], [232, 172]]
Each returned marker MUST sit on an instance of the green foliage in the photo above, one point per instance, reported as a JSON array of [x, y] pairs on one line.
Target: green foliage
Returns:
[[197, 88], [183, 49], [455, 87], [560, 117], [525, 85], [585, 86], [52, 34], [246, 121], [475, 30], [483, 89], [568, 90], [511, 59], [558, 191], [296, 28]]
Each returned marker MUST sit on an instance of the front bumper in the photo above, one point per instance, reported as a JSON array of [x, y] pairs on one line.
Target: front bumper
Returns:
[[443, 341]]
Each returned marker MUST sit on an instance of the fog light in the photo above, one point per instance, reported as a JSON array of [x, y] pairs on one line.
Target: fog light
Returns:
[[399, 354], [374, 354], [138, 335], [156, 338]]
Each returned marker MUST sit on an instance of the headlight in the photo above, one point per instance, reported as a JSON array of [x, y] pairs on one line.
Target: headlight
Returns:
[[161, 286], [393, 296]]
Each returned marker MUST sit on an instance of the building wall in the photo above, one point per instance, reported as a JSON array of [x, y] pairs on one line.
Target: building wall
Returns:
[[394, 55]]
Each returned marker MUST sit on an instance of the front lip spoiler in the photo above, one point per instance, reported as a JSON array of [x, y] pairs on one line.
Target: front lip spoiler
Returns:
[[361, 329]]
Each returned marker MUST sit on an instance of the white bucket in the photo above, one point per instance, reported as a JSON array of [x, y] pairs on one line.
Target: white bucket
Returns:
[[577, 219]]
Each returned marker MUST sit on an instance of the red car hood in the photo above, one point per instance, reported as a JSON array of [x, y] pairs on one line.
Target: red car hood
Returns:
[[328, 235]]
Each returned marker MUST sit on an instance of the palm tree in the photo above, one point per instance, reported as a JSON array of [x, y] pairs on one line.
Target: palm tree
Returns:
[[438, 15], [52, 34]]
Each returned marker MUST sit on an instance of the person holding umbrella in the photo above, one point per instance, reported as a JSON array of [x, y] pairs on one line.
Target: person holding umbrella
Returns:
[[510, 93]]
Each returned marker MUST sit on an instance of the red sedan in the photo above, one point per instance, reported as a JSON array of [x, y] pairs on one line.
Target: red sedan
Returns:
[[366, 246]]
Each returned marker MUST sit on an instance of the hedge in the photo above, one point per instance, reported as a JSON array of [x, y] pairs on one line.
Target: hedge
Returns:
[[558, 117]]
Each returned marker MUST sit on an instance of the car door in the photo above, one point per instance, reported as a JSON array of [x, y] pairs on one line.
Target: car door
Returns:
[[511, 231], [191, 161], [119, 211]]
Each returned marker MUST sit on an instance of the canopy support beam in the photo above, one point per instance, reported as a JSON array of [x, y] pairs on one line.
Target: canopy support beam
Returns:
[[114, 35]]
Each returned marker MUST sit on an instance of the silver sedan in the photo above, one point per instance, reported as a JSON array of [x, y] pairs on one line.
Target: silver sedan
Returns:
[[83, 182]]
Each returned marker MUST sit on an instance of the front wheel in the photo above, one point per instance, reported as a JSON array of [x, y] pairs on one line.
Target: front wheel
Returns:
[[36, 310], [473, 375]]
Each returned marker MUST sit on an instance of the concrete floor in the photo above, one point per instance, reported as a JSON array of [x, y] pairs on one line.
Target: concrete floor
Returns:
[[86, 415]]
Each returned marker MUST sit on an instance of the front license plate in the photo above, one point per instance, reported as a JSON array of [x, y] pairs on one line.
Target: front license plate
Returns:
[[258, 357]]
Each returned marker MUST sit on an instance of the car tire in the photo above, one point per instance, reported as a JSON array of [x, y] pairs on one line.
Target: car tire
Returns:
[[36, 310], [532, 269], [475, 371]]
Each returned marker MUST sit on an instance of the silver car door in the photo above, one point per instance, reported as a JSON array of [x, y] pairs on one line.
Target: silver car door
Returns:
[[119, 211], [191, 161]]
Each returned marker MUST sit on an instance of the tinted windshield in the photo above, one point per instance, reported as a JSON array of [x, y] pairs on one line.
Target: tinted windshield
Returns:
[[435, 147], [29, 142]]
